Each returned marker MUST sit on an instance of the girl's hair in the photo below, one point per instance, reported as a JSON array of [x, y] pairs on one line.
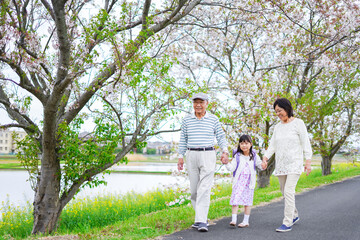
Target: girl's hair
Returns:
[[245, 138], [285, 104]]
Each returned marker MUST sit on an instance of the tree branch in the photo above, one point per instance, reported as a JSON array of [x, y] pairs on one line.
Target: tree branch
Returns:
[[49, 8], [296, 23], [101, 78], [145, 13], [15, 114], [342, 140], [118, 115], [24, 81], [64, 48], [155, 133], [27, 128]]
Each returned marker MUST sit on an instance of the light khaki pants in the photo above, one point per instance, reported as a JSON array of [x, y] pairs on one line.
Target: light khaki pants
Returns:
[[287, 187], [201, 169]]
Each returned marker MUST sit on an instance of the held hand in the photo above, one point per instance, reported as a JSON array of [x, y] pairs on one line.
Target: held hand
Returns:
[[225, 158], [307, 167], [180, 164], [263, 165]]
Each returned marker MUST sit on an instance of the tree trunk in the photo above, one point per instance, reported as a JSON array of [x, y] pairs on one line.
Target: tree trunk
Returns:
[[326, 165], [47, 206], [45, 218], [263, 179]]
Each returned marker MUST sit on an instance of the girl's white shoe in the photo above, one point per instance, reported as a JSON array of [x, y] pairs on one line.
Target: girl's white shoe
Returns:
[[233, 224], [243, 225]]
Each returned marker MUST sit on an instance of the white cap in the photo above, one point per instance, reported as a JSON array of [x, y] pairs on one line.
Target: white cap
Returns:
[[201, 96]]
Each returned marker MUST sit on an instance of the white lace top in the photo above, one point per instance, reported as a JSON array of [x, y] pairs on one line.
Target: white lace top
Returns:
[[291, 145]]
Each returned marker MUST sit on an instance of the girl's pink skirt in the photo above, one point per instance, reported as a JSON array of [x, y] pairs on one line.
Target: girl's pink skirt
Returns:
[[241, 193]]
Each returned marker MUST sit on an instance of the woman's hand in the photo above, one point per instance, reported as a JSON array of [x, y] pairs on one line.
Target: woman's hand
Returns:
[[307, 167]]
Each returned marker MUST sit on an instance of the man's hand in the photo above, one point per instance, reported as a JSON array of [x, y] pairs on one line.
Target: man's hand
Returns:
[[180, 164], [225, 158], [307, 167]]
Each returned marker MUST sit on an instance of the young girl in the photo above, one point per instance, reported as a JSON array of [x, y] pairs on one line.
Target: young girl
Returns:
[[243, 166]]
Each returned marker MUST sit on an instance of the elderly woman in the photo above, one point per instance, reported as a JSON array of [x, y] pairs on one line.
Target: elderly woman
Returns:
[[291, 145]]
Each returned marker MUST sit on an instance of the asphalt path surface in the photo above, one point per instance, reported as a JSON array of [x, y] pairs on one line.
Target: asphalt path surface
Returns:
[[326, 213]]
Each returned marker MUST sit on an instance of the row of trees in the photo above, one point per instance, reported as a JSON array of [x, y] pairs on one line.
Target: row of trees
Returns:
[[129, 67]]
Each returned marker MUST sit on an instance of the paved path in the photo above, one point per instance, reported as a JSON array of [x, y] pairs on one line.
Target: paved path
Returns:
[[330, 212]]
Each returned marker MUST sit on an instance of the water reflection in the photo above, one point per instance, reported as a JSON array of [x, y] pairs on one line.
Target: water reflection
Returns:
[[15, 188], [146, 167]]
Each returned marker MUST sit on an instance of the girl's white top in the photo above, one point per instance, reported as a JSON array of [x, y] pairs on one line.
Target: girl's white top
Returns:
[[291, 145], [243, 160]]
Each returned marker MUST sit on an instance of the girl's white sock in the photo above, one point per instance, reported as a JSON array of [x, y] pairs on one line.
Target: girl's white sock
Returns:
[[246, 218], [234, 218]]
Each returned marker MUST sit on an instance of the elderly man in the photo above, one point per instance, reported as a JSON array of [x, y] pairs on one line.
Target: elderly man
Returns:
[[198, 131]]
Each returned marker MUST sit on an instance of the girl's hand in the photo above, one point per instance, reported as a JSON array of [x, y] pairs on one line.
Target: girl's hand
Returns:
[[224, 158], [263, 165]]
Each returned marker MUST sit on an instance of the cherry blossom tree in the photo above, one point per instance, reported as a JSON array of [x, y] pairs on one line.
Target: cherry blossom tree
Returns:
[[261, 50], [320, 66], [70, 56]]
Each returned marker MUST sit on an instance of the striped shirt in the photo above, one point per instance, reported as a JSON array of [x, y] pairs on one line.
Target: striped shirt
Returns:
[[198, 133]]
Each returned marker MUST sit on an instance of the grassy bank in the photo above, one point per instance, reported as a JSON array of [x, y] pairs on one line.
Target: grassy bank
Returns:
[[153, 214], [11, 161]]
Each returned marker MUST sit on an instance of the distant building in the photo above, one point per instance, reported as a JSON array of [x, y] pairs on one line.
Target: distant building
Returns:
[[161, 147], [7, 143]]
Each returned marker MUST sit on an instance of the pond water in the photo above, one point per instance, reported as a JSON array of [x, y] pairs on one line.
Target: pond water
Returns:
[[146, 167], [15, 189]]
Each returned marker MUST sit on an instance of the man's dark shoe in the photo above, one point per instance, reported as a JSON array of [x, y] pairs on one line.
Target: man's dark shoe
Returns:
[[203, 227], [196, 225]]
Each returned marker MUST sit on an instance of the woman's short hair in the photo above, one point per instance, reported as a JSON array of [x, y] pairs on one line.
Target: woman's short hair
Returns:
[[286, 105]]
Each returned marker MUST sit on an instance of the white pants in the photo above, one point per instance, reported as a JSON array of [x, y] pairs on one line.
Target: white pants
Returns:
[[201, 169], [287, 187]]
